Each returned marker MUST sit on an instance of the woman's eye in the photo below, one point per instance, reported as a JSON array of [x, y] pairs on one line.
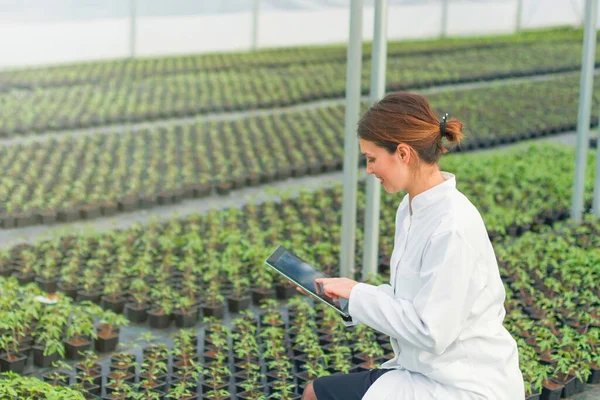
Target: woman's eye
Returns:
[[371, 160]]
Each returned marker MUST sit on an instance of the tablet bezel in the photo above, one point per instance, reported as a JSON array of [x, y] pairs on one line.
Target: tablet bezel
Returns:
[[270, 261]]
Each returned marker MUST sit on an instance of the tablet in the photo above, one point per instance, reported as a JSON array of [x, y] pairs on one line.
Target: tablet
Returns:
[[303, 274]]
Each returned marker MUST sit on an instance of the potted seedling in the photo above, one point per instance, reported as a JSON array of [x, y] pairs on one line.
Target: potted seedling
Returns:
[[184, 350], [10, 358], [153, 375], [251, 388], [216, 380], [47, 274], [49, 348], [81, 330], [340, 357], [280, 373], [91, 289], [159, 315], [108, 331], [69, 278], [214, 301], [239, 298], [113, 298], [285, 391], [118, 386], [271, 316], [182, 390], [185, 312], [315, 365], [89, 372], [60, 375], [137, 310]]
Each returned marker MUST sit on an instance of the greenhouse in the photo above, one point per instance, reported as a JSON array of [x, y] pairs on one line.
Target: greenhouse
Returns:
[[155, 156]]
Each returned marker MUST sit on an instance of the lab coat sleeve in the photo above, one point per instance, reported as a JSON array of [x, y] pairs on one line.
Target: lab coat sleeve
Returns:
[[438, 312]]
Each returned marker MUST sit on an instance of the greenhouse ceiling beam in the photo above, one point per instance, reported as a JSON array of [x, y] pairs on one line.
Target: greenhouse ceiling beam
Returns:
[[353, 95], [585, 105], [379, 59]]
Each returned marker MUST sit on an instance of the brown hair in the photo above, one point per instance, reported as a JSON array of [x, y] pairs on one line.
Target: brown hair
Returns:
[[407, 118]]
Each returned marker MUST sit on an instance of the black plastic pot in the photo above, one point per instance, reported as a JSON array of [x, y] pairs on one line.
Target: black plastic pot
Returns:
[[569, 386], [62, 379], [15, 365], [217, 311], [236, 305], [207, 388], [89, 295], [159, 320], [107, 344], [595, 375], [284, 291], [136, 314], [47, 285], [95, 376], [72, 350], [42, 361], [70, 291], [551, 393], [185, 320], [535, 396], [258, 294], [115, 304]]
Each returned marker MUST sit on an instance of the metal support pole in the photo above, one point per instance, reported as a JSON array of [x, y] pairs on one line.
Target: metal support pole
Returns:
[[519, 15], [596, 201], [255, 14], [444, 32], [132, 28], [353, 94], [585, 105], [378, 68]]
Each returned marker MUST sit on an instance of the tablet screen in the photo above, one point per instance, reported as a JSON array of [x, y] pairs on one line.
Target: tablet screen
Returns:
[[303, 274]]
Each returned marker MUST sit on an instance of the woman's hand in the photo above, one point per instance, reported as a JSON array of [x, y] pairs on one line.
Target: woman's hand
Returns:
[[333, 287], [337, 287]]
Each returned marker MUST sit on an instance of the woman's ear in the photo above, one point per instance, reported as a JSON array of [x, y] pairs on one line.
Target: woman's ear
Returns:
[[403, 153]]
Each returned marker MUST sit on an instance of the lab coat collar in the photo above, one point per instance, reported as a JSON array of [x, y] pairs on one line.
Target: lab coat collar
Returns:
[[431, 196]]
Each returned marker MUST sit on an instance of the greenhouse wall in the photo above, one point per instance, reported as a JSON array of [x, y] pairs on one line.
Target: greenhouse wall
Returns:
[[35, 41]]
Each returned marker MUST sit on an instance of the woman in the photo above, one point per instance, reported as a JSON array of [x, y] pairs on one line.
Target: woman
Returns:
[[444, 306]]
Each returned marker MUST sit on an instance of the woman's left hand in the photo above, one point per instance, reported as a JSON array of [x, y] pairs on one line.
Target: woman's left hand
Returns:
[[337, 287]]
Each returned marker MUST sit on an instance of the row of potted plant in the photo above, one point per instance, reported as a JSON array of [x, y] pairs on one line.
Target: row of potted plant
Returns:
[[550, 280], [98, 71], [64, 180], [184, 95], [552, 306], [39, 330]]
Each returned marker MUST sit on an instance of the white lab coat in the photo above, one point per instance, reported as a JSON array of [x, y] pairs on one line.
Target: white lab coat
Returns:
[[443, 308]]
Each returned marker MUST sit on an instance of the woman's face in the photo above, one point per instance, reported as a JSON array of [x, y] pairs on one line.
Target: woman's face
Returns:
[[391, 169]]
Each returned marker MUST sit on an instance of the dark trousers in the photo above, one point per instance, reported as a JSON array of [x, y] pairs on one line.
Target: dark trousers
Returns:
[[346, 386]]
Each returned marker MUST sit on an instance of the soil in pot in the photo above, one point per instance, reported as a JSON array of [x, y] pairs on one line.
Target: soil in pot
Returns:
[[14, 362], [568, 381], [551, 390]]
